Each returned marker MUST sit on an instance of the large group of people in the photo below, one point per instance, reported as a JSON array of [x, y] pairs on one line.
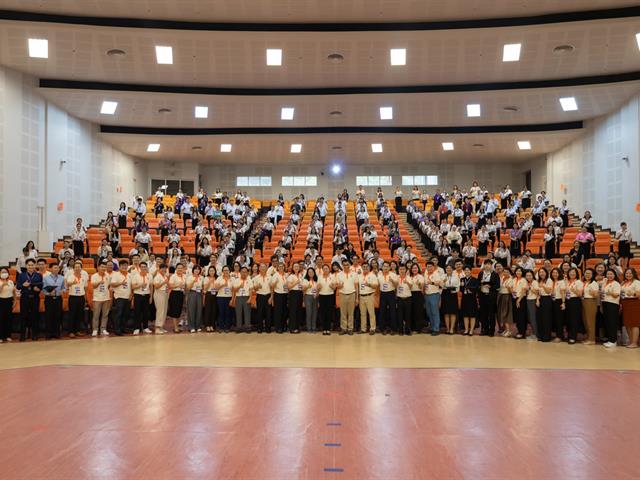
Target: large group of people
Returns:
[[469, 281]]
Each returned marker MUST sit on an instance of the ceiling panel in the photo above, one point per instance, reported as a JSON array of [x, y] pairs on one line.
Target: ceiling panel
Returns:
[[311, 10], [237, 59], [425, 109], [355, 149]]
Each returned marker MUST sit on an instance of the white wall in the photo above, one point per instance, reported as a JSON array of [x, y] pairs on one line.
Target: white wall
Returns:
[[224, 177], [35, 137], [591, 174], [162, 170]]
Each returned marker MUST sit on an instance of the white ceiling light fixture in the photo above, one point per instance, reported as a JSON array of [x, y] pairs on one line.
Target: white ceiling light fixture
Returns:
[[225, 147], [336, 169], [108, 108], [398, 56], [511, 52], [274, 57], [524, 145], [38, 48], [638, 39], [287, 113], [447, 146], [296, 147], [473, 110], [376, 147], [569, 104], [153, 147], [164, 55], [201, 111], [386, 113]]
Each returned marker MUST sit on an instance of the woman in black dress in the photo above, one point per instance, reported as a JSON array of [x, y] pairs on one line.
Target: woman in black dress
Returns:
[[544, 315], [557, 299], [550, 242], [449, 299], [469, 286]]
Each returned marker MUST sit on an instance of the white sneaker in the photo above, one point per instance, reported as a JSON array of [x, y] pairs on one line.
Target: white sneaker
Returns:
[[532, 337], [199, 329], [160, 331], [104, 332], [94, 333], [9, 339], [136, 331], [192, 331], [147, 330], [609, 344]]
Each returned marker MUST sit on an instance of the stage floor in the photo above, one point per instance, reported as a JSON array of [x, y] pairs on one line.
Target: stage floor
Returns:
[[100, 422]]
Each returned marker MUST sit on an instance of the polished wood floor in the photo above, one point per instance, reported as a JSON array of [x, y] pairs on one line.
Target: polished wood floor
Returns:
[[314, 350]]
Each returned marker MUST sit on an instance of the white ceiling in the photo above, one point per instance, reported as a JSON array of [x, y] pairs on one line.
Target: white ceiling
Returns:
[[237, 59], [356, 148], [311, 10]]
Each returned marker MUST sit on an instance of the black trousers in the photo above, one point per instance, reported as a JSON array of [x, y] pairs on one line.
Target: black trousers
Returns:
[[210, 310], [387, 311], [185, 217], [417, 311], [121, 308], [141, 311], [544, 317], [487, 313], [76, 314], [558, 318], [295, 309], [29, 316], [78, 248], [520, 316], [573, 316], [263, 313], [610, 314], [327, 306], [6, 315], [53, 316], [279, 311], [404, 315]]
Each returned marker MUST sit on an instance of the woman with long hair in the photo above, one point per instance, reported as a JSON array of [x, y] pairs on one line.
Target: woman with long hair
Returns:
[[590, 297], [310, 289], [630, 298], [573, 303], [544, 314], [210, 300], [610, 307]]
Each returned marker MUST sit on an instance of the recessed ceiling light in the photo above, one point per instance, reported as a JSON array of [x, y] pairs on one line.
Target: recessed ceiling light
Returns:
[[274, 57], [108, 108], [447, 145], [563, 49], [153, 147], [398, 56], [225, 147], [196, 147], [164, 110], [386, 113], [287, 113], [569, 104], [38, 48], [638, 39], [511, 108], [524, 145], [335, 113], [116, 52], [336, 147], [336, 169], [473, 110], [296, 147], [511, 52], [376, 147], [478, 145], [201, 111], [164, 55], [335, 58]]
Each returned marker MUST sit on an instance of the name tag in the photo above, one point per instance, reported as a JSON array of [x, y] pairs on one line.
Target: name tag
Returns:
[[125, 286], [242, 292], [400, 289], [385, 286], [213, 291], [568, 295], [363, 286], [227, 291], [285, 289], [314, 291], [76, 290], [553, 296], [102, 288], [514, 295]]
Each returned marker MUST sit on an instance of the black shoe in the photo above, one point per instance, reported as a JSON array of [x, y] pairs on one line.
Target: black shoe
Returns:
[[259, 331], [342, 332], [435, 334], [350, 332]]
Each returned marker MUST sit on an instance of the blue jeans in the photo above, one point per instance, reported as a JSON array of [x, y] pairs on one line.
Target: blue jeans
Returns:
[[432, 307]]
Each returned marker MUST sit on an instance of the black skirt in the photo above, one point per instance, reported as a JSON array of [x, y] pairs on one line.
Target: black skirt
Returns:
[[624, 249], [449, 301], [469, 305], [176, 300], [122, 221]]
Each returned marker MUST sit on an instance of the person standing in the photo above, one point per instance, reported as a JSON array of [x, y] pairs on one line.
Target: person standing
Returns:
[[489, 285], [79, 238], [177, 287], [161, 297], [630, 303], [210, 299], [519, 289], [76, 283], [101, 299], [310, 288], [610, 308], [590, 297], [195, 286], [544, 315], [403, 296], [450, 308], [29, 284], [432, 290], [573, 309], [223, 286], [504, 309], [326, 299], [417, 299], [242, 289], [387, 283], [367, 283], [295, 300], [141, 286], [121, 287], [53, 286], [264, 299], [347, 282], [280, 291]]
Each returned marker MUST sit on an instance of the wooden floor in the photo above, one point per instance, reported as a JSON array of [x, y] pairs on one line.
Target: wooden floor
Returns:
[[314, 350]]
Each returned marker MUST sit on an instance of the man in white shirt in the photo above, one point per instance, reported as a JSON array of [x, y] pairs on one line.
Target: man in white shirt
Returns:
[[367, 284], [347, 281], [433, 281], [101, 299]]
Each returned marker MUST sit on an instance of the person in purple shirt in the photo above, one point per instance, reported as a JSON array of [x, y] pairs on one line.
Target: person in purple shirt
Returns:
[[29, 284]]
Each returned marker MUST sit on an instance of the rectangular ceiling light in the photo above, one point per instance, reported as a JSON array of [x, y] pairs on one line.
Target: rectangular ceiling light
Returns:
[[473, 110], [376, 147], [296, 147], [225, 147], [638, 39], [569, 104], [164, 55], [287, 113], [274, 56], [398, 56], [447, 145], [38, 48], [201, 112], [511, 52], [153, 147], [524, 145], [108, 108], [386, 113]]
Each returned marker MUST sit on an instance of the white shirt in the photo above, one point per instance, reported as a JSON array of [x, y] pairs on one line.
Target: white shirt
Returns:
[[101, 292], [76, 286], [143, 282], [349, 282], [367, 283], [387, 282], [124, 290], [243, 287]]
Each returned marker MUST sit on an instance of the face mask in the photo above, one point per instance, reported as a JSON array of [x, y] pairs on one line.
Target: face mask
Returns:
[[4, 275]]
